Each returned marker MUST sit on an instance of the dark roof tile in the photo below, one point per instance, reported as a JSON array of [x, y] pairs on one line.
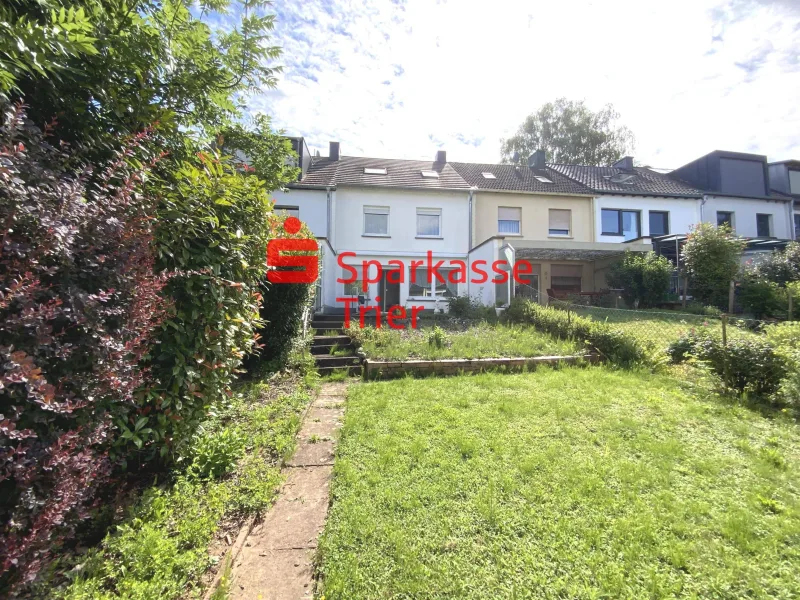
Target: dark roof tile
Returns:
[[349, 170], [640, 180], [517, 178]]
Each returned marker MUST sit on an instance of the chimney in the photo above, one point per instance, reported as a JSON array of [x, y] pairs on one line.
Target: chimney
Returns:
[[625, 163], [537, 160], [333, 152], [441, 156]]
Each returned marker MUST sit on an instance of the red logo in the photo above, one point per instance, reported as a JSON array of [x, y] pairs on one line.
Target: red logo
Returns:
[[302, 268]]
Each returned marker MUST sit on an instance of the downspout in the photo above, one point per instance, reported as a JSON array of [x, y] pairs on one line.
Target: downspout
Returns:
[[328, 226], [469, 243], [702, 204]]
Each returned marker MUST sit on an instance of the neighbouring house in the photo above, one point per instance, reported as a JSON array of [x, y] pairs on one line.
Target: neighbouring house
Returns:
[[784, 179], [534, 213]]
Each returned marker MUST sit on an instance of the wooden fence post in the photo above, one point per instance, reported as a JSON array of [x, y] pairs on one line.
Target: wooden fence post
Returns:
[[731, 292], [724, 330], [685, 291]]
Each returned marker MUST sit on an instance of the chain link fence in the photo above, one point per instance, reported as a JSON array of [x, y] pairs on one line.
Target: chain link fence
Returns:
[[745, 353]]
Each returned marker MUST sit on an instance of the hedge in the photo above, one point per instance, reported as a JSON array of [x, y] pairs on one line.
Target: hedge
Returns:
[[609, 342]]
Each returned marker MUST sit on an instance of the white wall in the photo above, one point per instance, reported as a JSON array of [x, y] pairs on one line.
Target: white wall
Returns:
[[683, 213], [313, 206], [402, 238], [745, 210]]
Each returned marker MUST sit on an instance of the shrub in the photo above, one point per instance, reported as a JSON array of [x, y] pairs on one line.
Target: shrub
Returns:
[[745, 364], [213, 227], [780, 267], [698, 308], [711, 256], [785, 338], [685, 346], [761, 297], [79, 303], [611, 343], [283, 307], [643, 278], [470, 307]]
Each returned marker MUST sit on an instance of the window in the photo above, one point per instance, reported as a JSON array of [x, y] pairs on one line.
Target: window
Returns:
[[376, 220], [352, 289], [559, 221], [508, 220], [797, 226], [542, 178], [794, 181], [659, 222], [429, 222], [420, 286], [289, 211], [374, 171], [488, 175], [620, 222], [764, 225], [430, 174], [724, 218], [566, 279]]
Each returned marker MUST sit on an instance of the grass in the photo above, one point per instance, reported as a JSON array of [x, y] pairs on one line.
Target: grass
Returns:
[[657, 327], [576, 483], [160, 548], [480, 340]]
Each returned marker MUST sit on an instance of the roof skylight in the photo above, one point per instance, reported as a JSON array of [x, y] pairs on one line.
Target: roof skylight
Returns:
[[542, 178], [488, 175], [374, 171], [430, 174]]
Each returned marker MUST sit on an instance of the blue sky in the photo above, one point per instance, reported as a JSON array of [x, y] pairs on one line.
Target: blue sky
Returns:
[[403, 78]]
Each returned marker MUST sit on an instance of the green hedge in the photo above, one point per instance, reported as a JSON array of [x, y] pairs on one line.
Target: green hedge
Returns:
[[611, 343]]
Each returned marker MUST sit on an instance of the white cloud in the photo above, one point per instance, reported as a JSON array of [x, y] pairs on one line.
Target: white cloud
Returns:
[[401, 80]]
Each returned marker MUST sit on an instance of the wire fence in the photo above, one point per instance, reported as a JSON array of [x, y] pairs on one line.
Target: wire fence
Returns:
[[656, 328]]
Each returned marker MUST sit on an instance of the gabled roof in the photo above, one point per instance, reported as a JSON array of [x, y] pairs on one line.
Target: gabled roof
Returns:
[[349, 170], [639, 181], [518, 178]]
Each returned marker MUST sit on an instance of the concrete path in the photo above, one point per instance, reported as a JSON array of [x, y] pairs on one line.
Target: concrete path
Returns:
[[276, 562]]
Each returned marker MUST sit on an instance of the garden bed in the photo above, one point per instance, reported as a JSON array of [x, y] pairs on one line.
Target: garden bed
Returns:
[[172, 539], [460, 340]]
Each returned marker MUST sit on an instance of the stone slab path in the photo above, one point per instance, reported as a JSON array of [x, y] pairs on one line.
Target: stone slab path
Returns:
[[276, 561]]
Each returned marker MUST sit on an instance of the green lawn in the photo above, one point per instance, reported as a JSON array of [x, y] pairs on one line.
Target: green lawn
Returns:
[[577, 483], [480, 340]]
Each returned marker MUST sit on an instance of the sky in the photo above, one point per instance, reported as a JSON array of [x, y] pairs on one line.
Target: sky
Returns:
[[404, 78]]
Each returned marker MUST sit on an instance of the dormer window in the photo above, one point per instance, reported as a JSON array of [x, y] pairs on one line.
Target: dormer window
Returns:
[[430, 174], [374, 171]]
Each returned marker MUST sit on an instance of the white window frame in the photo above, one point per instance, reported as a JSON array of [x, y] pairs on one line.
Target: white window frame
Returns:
[[430, 286], [519, 221], [430, 212], [374, 210], [549, 223], [359, 287], [770, 224]]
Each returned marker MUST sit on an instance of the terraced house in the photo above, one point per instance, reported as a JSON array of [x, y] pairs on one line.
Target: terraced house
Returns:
[[568, 222]]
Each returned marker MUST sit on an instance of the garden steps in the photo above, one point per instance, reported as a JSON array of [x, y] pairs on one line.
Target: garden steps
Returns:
[[345, 359], [276, 561]]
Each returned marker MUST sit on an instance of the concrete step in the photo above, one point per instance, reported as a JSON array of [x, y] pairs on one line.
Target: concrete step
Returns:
[[326, 349], [336, 361], [328, 340], [327, 327], [352, 371]]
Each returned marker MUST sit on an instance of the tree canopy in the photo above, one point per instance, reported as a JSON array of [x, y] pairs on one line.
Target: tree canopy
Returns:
[[570, 132], [108, 68]]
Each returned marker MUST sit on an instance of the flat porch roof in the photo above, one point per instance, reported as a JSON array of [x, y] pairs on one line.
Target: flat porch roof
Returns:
[[569, 250]]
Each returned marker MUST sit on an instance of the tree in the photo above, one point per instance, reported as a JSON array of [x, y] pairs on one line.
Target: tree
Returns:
[[643, 278], [109, 68], [712, 257], [780, 267], [570, 132]]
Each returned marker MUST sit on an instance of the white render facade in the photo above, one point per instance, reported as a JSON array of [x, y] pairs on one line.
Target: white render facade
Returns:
[[676, 215]]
